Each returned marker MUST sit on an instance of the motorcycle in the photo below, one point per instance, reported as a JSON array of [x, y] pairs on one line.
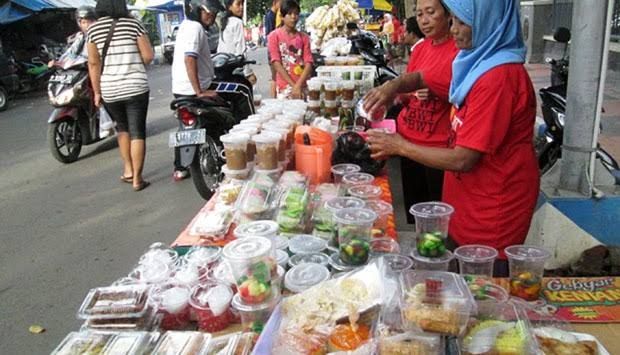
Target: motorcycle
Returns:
[[34, 74], [75, 119], [370, 47], [202, 121], [553, 105]]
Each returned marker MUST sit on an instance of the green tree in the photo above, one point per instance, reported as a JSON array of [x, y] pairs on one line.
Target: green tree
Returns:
[[309, 5], [257, 8]]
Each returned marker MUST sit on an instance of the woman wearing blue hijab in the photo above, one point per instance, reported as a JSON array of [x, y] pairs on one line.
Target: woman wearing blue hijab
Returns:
[[492, 177]]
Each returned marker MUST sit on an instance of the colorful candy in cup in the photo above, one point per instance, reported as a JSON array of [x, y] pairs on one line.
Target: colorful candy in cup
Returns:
[[431, 245], [354, 226], [254, 316], [526, 264], [526, 286], [211, 304], [255, 287], [252, 261], [355, 251]]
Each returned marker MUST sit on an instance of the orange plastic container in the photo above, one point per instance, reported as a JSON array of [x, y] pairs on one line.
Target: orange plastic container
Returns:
[[314, 160]]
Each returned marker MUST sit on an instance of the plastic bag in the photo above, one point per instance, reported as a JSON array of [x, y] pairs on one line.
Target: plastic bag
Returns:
[[105, 123], [352, 148]]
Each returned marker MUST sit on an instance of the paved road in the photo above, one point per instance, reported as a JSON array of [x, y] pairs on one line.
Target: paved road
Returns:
[[68, 228]]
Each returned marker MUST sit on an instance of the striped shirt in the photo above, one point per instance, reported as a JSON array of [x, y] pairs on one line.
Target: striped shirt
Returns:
[[124, 74]]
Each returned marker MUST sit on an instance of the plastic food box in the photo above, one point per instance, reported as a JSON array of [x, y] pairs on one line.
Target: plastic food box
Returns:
[[346, 72], [94, 342], [435, 301], [182, 343], [128, 301], [411, 343]]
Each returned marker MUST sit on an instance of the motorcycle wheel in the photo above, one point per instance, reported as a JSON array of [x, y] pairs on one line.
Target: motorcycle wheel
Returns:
[[65, 140], [607, 160], [4, 99], [206, 169]]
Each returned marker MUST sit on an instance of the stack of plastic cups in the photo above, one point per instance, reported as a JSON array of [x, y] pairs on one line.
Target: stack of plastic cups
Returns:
[[283, 147], [235, 147], [251, 150], [353, 179], [268, 146], [431, 223], [340, 170]]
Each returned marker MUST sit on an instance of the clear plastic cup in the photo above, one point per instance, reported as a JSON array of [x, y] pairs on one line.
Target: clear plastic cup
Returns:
[[476, 260], [383, 246], [236, 147], [211, 305], [431, 226], [331, 90], [527, 265], [340, 170], [267, 229], [314, 90], [159, 252], [331, 108], [441, 263], [204, 257], [283, 145], [352, 179], [267, 151], [303, 276], [258, 118], [151, 272], [189, 274], [172, 301], [314, 106], [316, 258], [373, 116], [383, 211], [323, 217], [338, 265], [306, 244], [348, 90], [251, 260], [365, 192], [236, 174], [397, 263], [254, 316], [354, 226]]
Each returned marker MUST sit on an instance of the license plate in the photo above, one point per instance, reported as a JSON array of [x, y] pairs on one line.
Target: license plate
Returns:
[[190, 137]]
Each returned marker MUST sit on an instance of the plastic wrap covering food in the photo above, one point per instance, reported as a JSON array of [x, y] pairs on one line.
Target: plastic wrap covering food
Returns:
[[293, 209], [506, 330], [231, 344], [214, 223], [410, 343], [129, 301], [435, 301], [256, 199], [118, 343], [182, 343], [228, 193]]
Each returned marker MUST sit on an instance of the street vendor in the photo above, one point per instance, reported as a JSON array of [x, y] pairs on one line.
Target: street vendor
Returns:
[[492, 177], [425, 117]]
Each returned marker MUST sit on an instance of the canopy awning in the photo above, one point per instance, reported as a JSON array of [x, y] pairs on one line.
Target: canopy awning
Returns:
[[10, 14], [381, 5]]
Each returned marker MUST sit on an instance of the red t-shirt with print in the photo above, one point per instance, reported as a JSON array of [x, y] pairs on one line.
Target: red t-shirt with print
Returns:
[[427, 122], [292, 50], [494, 202]]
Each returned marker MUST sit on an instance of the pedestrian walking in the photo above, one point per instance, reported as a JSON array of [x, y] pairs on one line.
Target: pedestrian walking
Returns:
[[118, 50]]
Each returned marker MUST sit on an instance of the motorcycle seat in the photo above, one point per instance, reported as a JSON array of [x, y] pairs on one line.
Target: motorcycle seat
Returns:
[[199, 102]]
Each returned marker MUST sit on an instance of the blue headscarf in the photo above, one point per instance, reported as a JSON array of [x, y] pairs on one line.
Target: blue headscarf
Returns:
[[497, 40]]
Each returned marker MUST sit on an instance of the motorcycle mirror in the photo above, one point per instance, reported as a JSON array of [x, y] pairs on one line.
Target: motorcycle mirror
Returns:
[[562, 35]]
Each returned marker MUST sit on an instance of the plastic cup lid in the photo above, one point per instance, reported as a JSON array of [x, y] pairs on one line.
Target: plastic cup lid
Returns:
[[247, 248], [358, 178], [266, 138], [475, 253], [356, 216], [257, 117], [173, 298], [223, 272], [365, 191], [249, 130], [338, 203], [331, 103], [381, 208], [280, 242], [200, 254], [161, 254], [431, 209], [316, 258], [337, 264], [187, 274], [241, 306], [303, 276], [281, 257], [151, 272], [213, 296], [257, 229], [445, 258], [235, 138], [527, 252], [306, 244], [397, 262], [342, 169]]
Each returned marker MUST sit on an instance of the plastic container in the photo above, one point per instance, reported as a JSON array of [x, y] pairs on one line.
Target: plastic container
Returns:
[[159, 252], [214, 223], [411, 343], [383, 211], [283, 143], [222, 273], [182, 343], [486, 293], [258, 99], [84, 343], [331, 107], [306, 244], [476, 260], [354, 179], [397, 263], [339, 170], [374, 116], [172, 301], [128, 301], [338, 265], [211, 304], [282, 258], [266, 151], [153, 272], [254, 316], [314, 90], [189, 274], [203, 255], [431, 226], [315, 258], [303, 276], [440, 263], [383, 246], [257, 118], [434, 301], [280, 242], [365, 192], [235, 147], [313, 160], [354, 226], [314, 106], [348, 90], [251, 262], [291, 215], [331, 91], [267, 229], [526, 264]]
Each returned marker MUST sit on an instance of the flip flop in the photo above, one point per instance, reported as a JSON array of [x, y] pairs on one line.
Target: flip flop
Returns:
[[143, 185], [127, 179]]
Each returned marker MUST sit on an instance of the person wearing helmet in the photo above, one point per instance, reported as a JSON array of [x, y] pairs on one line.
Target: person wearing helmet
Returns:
[[85, 16], [192, 68]]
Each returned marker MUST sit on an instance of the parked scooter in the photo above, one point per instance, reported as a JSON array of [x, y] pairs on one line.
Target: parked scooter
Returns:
[[554, 109], [202, 121], [34, 74], [75, 119]]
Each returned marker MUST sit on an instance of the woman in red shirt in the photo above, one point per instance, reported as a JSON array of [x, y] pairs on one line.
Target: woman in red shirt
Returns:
[[492, 177], [425, 117]]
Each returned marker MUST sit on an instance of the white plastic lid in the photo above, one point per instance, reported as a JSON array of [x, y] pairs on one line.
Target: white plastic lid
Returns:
[[316, 258], [365, 191], [248, 129], [475, 253], [257, 117], [306, 244], [527, 252], [358, 179], [345, 168], [280, 242], [267, 229], [281, 257], [304, 276], [356, 216], [203, 255], [431, 209], [215, 297], [381, 208], [241, 306], [235, 138], [338, 203], [314, 103], [330, 103], [265, 138], [247, 248]]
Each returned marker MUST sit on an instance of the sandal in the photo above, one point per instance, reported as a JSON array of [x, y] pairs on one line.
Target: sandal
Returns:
[[143, 185], [127, 179]]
